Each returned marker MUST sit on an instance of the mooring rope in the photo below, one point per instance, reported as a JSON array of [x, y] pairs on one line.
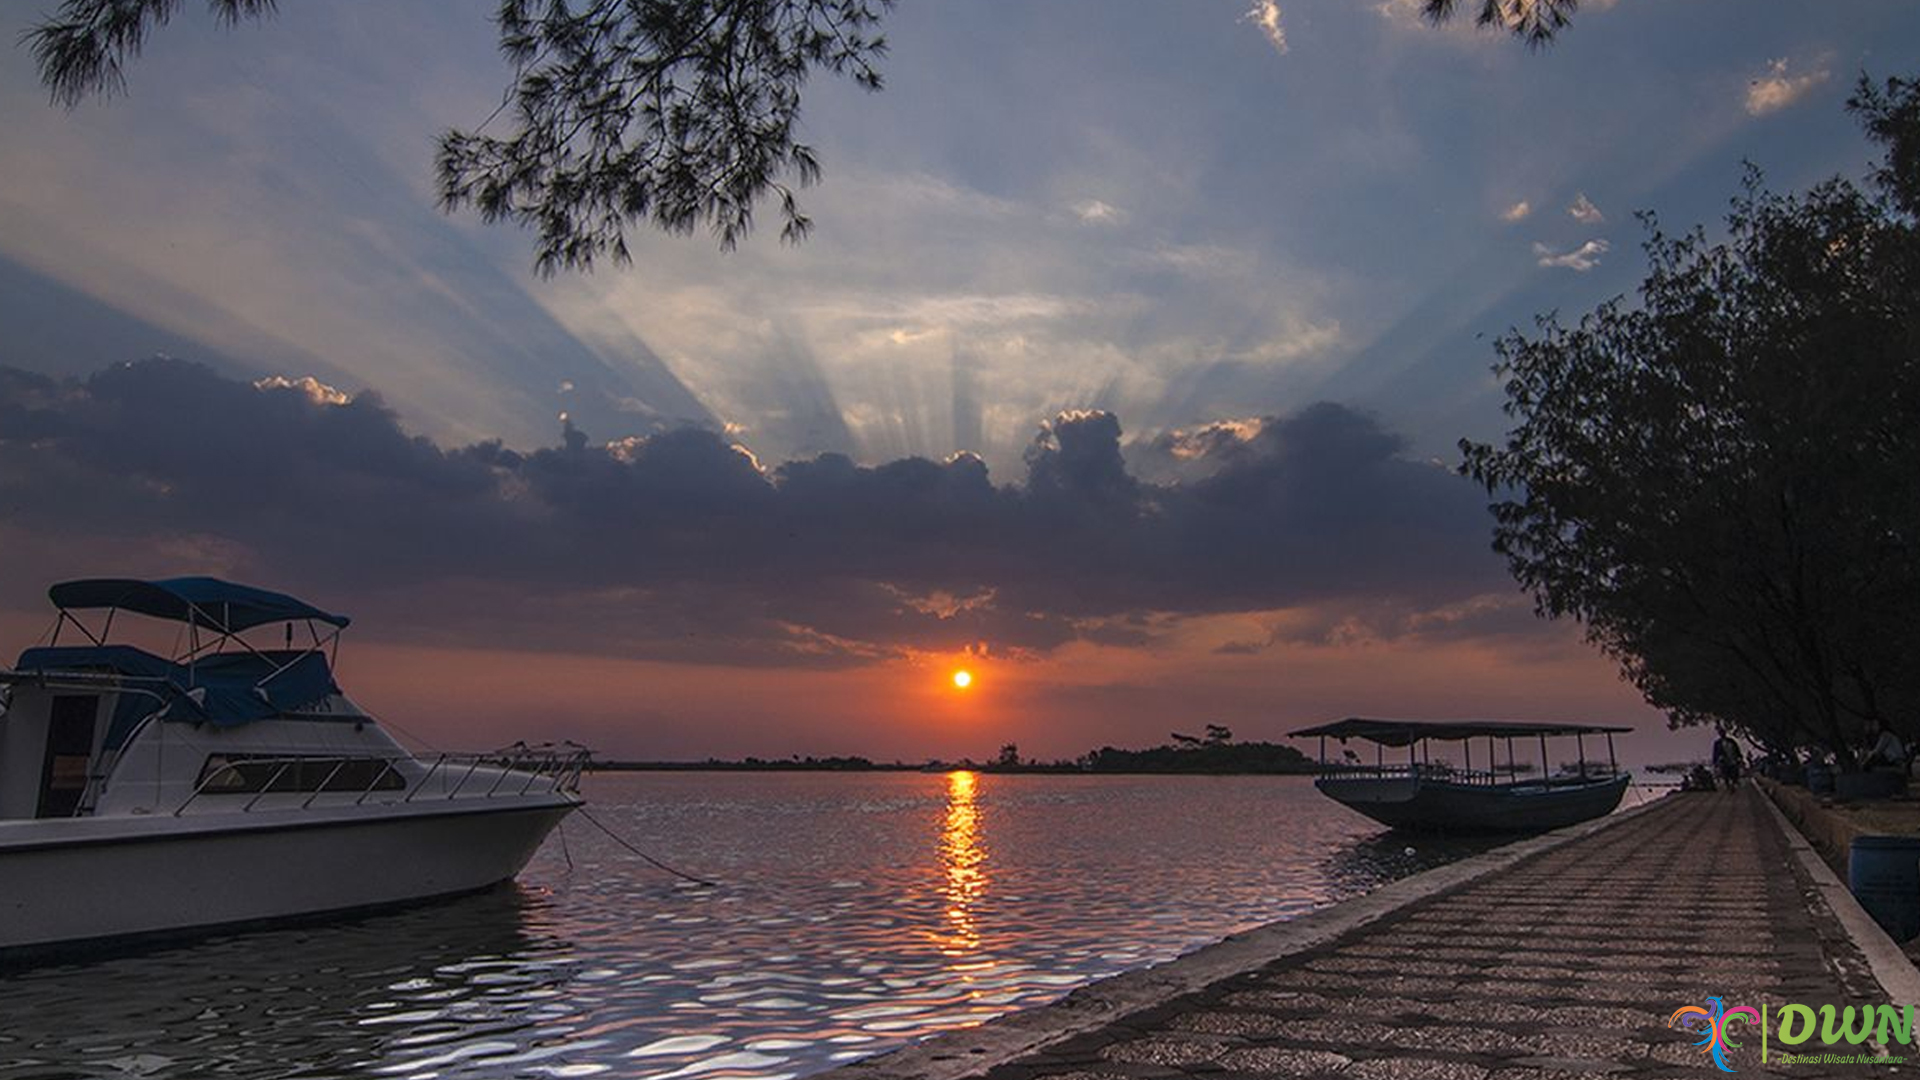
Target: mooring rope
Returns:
[[618, 839]]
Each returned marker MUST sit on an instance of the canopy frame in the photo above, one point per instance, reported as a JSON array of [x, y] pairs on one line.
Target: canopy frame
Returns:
[[223, 607], [1397, 733]]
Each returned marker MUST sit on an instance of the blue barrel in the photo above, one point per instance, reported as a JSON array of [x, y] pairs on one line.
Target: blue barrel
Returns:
[[1884, 874]]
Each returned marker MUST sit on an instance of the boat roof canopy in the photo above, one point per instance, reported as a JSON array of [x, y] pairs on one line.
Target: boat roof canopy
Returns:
[[1404, 732], [202, 601]]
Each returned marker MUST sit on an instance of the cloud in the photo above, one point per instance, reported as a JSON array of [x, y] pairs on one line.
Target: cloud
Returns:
[[1777, 89], [1505, 615], [1095, 212], [315, 390], [1240, 648], [681, 545], [1517, 212], [1411, 15], [1187, 454], [1584, 212], [1265, 14], [1580, 259]]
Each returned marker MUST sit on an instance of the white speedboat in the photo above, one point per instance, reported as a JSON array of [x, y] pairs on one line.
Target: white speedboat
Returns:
[[230, 783]]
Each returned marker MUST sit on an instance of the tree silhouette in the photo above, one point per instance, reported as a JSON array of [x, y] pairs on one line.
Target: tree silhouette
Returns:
[[678, 112], [1719, 481]]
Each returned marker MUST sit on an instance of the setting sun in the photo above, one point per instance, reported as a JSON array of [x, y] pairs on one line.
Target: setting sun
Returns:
[[962, 679]]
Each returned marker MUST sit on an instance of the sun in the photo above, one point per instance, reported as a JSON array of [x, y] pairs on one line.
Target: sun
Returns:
[[962, 679]]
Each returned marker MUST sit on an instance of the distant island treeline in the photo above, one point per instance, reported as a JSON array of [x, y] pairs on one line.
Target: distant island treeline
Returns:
[[1214, 753]]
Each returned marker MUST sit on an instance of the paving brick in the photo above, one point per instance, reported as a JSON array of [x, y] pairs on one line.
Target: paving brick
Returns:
[[1565, 965]]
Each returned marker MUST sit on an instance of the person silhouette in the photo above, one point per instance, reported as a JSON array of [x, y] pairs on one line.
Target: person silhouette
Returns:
[[1888, 751], [1727, 759]]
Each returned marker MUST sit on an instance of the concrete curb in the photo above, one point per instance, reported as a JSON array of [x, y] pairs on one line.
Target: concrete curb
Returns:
[[971, 1051], [1886, 960]]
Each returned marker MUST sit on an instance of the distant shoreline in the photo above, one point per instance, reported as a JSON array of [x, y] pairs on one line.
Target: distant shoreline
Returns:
[[942, 767], [1208, 759]]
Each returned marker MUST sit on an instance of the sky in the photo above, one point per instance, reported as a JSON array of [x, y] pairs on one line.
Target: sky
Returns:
[[1125, 366]]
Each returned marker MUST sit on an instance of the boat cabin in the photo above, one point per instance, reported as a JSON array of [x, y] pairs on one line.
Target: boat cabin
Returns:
[[91, 727]]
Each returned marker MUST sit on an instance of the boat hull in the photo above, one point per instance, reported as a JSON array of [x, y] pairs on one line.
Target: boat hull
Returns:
[[81, 880], [1425, 804]]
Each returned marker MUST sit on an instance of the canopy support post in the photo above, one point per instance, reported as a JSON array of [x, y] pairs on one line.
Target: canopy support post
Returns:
[[1580, 745]]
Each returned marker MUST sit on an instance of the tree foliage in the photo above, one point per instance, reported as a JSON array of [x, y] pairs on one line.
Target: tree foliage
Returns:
[[1722, 481], [1535, 22], [1220, 757], [678, 112], [84, 49]]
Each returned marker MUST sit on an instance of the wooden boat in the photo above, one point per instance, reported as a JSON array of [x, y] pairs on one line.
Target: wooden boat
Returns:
[[1439, 796]]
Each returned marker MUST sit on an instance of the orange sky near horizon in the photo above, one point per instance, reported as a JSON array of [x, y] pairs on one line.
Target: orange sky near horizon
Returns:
[[1078, 699]]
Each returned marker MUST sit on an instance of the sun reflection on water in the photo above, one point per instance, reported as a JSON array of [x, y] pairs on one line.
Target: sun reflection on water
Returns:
[[963, 856]]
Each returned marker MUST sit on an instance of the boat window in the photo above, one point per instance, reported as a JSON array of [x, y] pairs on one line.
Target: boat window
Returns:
[[63, 776], [246, 774]]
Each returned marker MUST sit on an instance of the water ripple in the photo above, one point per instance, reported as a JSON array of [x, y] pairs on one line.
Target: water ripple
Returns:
[[858, 913]]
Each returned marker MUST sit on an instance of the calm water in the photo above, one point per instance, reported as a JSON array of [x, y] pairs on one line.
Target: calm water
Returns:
[[852, 913]]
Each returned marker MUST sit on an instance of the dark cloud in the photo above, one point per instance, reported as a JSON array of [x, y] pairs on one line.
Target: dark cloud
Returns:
[[1075, 465], [681, 545]]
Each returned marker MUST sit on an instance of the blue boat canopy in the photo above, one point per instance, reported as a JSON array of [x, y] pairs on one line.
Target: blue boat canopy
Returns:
[[223, 689], [202, 601]]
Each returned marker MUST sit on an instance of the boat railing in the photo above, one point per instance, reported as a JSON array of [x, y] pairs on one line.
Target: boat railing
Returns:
[[516, 770], [1456, 775], [1413, 771], [497, 774]]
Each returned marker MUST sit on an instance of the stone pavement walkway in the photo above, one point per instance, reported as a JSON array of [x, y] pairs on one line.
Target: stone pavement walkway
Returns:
[[1565, 965]]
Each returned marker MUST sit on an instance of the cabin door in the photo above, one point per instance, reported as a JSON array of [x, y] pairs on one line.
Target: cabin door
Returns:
[[63, 778]]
